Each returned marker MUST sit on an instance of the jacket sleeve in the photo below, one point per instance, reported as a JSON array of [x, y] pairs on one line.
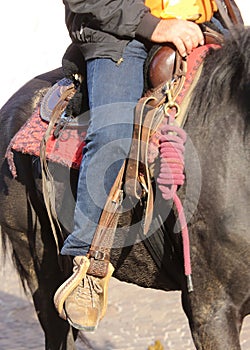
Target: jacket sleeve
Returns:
[[122, 18]]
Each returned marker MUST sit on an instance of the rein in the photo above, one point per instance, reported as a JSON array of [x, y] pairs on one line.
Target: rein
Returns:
[[171, 175], [227, 13]]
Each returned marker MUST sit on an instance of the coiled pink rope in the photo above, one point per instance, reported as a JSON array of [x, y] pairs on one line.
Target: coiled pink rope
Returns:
[[171, 176]]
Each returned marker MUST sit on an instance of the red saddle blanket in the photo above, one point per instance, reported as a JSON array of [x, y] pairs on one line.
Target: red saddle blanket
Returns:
[[66, 149]]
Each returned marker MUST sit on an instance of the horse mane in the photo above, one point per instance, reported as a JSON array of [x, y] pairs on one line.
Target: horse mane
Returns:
[[225, 77]]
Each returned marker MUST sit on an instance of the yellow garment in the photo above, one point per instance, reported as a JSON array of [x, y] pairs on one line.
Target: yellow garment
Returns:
[[194, 10]]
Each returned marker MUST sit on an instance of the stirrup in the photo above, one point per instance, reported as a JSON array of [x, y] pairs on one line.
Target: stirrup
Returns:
[[79, 272], [104, 284]]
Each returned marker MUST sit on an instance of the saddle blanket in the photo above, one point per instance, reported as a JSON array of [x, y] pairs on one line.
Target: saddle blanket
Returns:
[[65, 150]]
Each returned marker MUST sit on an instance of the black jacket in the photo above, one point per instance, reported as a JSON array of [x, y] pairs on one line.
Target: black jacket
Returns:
[[102, 28]]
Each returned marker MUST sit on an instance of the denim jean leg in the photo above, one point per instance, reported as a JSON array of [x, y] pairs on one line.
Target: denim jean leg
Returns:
[[113, 93]]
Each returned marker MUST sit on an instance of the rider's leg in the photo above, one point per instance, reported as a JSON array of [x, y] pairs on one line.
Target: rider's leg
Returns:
[[113, 93]]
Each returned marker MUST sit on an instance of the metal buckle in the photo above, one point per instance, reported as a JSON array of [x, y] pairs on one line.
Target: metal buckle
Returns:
[[98, 255]]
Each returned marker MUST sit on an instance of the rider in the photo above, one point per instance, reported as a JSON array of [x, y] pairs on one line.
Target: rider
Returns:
[[113, 37]]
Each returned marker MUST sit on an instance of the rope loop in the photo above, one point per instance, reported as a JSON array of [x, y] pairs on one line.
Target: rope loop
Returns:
[[172, 150], [171, 175]]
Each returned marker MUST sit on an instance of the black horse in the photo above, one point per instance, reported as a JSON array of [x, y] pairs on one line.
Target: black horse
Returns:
[[218, 125]]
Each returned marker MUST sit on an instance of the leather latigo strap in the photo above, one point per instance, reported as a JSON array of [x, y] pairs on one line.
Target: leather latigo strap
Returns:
[[99, 253], [137, 176], [228, 14], [231, 11]]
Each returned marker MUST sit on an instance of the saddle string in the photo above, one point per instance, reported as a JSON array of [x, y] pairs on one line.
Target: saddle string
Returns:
[[47, 178]]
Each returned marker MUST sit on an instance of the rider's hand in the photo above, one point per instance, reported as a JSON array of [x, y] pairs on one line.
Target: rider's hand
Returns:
[[185, 35]]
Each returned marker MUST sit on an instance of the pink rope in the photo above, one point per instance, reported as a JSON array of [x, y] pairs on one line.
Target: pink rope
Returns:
[[171, 176]]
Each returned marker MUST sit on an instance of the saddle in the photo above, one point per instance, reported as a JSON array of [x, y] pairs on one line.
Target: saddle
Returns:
[[170, 86]]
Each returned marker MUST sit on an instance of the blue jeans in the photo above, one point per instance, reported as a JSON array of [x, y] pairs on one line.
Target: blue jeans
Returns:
[[113, 92]]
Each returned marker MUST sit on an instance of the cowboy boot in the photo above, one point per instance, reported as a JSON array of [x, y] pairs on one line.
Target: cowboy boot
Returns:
[[82, 299]]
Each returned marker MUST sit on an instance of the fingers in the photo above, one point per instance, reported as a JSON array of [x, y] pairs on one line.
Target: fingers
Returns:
[[184, 35], [187, 45], [181, 47], [185, 42]]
